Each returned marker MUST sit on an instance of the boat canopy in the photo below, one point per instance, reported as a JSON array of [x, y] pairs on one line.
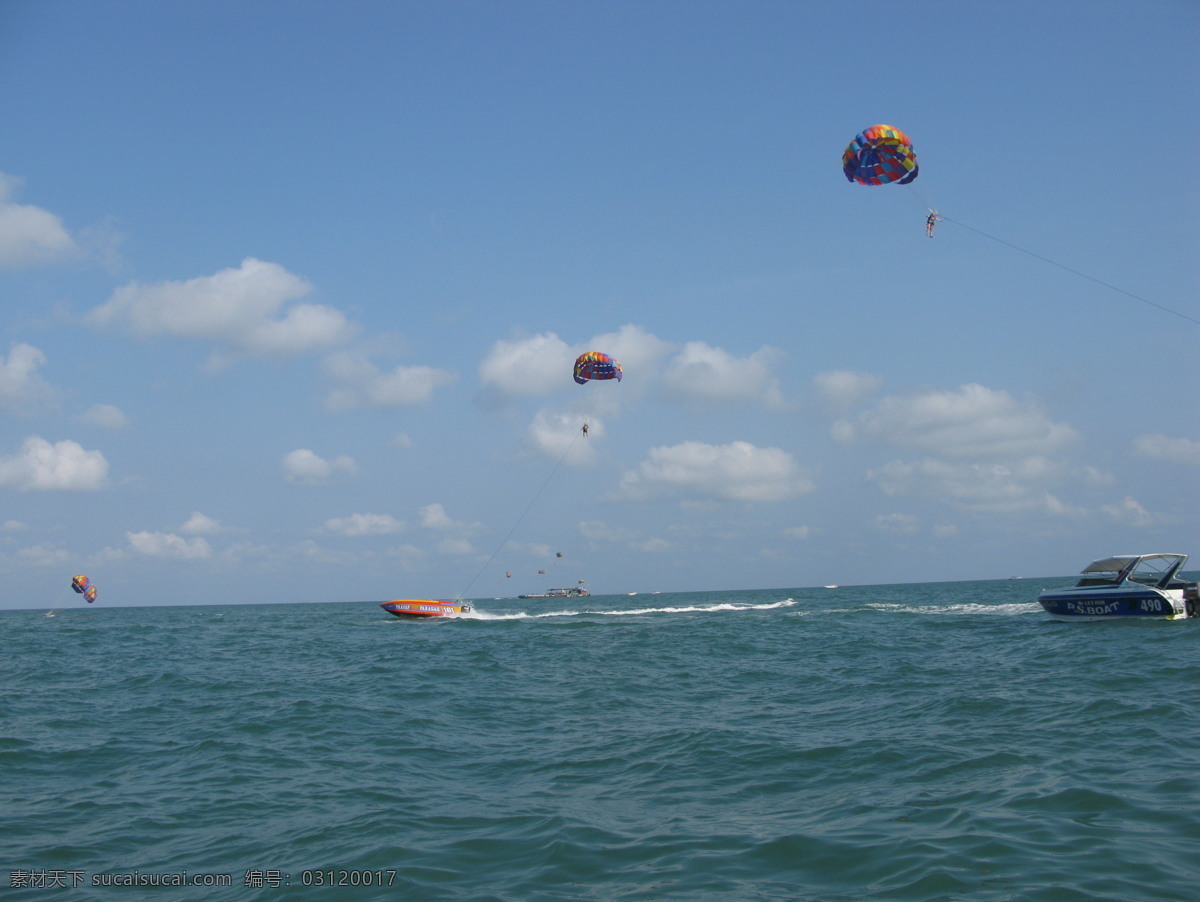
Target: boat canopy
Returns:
[[1119, 562]]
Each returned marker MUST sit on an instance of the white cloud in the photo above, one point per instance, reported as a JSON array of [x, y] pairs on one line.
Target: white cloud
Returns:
[[701, 372], [542, 364], [360, 383], [1129, 512], [434, 516], [62, 466], [365, 525], [798, 532], [845, 388], [738, 471], [304, 467], [539, 365], [459, 547], [973, 422], [45, 556], [21, 388], [199, 524], [249, 309], [897, 524], [991, 488], [106, 416], [637, 350], [553, 434], [169, 545], [29, 235], [1174, 450], [13, 526]]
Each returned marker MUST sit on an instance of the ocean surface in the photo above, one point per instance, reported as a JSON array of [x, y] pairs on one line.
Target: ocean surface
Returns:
[[939, 741]]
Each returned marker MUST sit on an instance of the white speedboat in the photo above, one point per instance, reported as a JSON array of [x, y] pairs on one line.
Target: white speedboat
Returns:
[[1126, 585]]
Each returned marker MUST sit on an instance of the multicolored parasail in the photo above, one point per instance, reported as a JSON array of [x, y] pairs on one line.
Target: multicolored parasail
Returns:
[[558, 554], [594, 365], [84, 587], [880, 155]]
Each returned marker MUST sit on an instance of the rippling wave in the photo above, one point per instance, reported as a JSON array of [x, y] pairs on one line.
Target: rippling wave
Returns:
[[927, 742]]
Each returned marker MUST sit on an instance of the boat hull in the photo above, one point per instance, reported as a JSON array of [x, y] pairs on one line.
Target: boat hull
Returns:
[[1114, 604], [424, 608]]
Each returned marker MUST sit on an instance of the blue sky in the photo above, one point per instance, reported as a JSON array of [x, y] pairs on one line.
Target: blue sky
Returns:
[[289, 294]]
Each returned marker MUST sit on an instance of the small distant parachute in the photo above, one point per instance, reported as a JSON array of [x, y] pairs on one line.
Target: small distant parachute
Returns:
[[508, 575], [84, 587], [558, 554], [542, 572], [594, 365], [880, 155]]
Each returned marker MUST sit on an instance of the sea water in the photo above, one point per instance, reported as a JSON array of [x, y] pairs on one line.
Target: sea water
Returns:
[[941, 741]]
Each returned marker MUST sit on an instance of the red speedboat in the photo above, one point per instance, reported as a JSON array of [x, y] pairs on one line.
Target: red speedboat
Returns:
[[424, 609]]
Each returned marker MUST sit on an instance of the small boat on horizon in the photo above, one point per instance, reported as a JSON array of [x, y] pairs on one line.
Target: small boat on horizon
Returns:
[[1146, 586], [424, 608]]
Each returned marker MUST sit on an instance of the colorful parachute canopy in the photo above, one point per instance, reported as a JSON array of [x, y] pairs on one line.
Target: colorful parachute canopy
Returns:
[[84, 587], [594, 365], [879, 155], [542, 572], [558, 554]]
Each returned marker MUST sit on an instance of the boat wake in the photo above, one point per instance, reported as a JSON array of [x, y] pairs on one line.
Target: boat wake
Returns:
[[959, 610], [719, 607]]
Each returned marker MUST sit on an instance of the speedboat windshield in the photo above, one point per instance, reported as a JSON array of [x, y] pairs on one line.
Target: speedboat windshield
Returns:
[[1147, 569]]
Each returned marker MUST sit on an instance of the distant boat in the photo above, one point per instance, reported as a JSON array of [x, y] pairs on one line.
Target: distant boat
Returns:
[[425, 609], [1146, 586], [573, 592], [834, 586]]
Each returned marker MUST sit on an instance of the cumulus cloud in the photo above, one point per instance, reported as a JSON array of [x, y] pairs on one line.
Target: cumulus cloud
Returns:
[[1174, 450], [61, 466], [553, 434], [541, 364], [434, 516], [701, 372], [456, 546], [365, 525], [897, 524], [738, 471], [845, 388], [973, 422], [29, 235], [21, 388], [305, 467], [360, 383], [251, 309], [1129, 512], [106, 416], [199, 524], [169, 545], [538, 365], [985, 487], [45, 556]]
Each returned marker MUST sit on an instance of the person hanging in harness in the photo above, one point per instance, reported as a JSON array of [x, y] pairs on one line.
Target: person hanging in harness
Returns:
[[930, 221], [584, 430]]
